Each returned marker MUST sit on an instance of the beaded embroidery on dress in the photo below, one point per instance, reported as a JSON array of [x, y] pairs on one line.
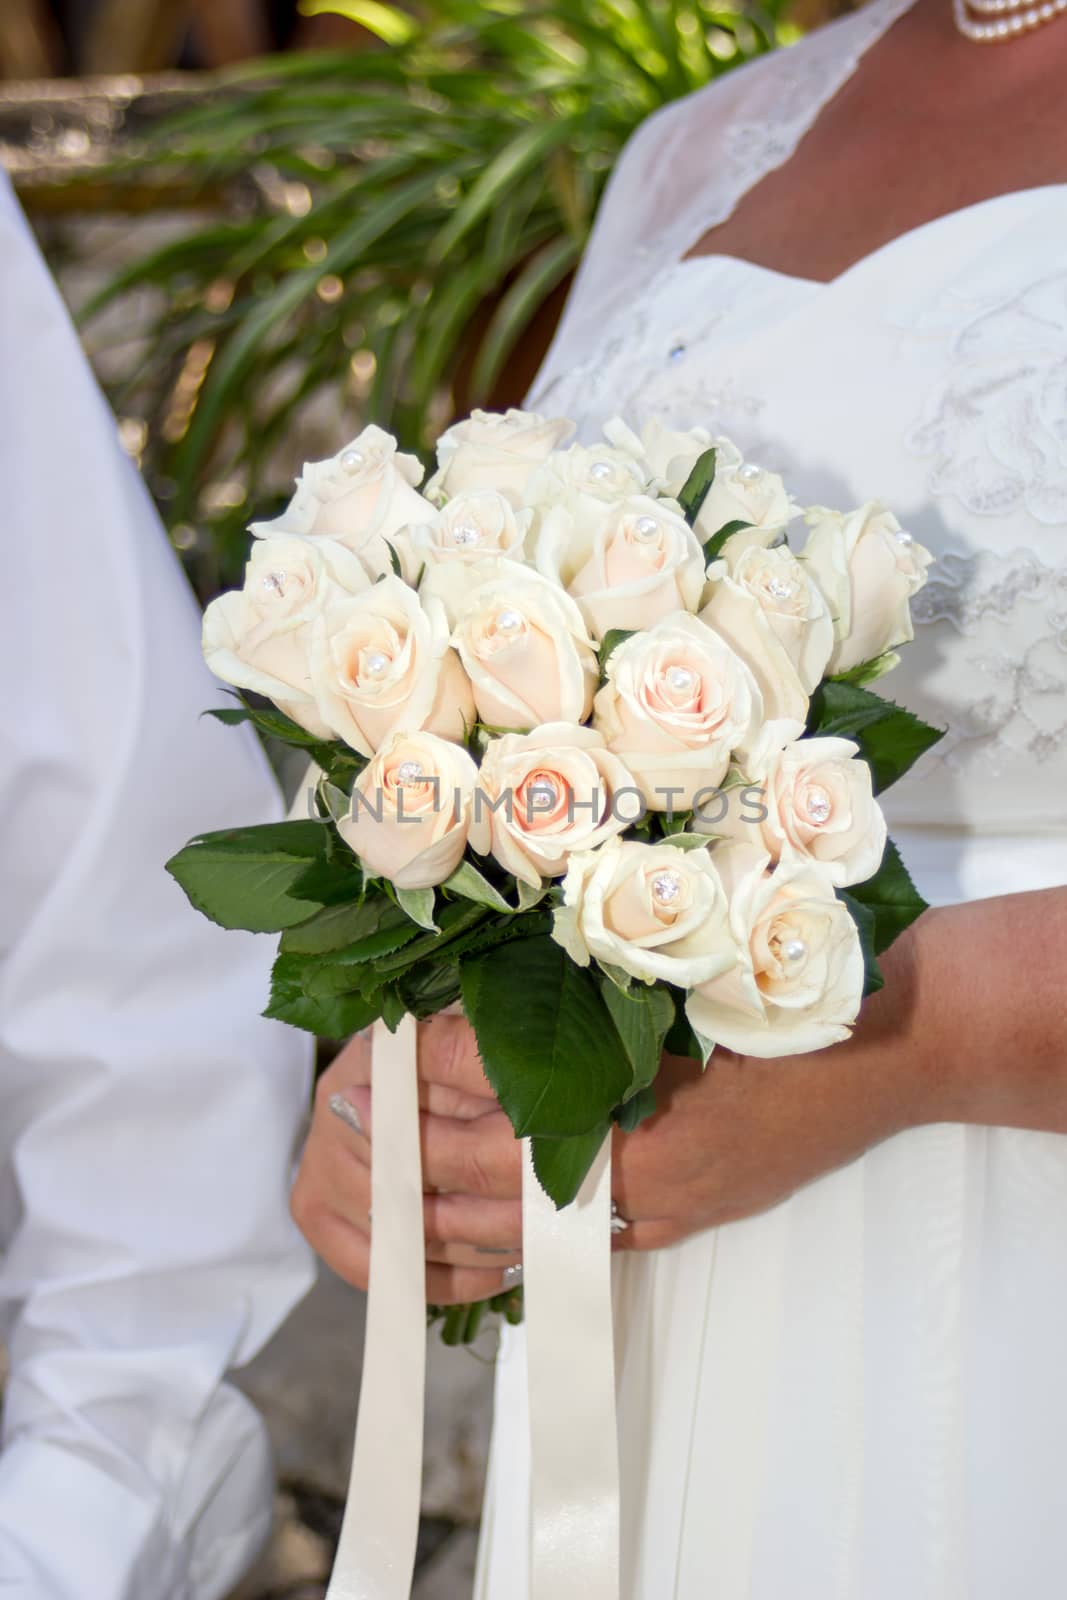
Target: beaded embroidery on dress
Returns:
[[857, 1395]]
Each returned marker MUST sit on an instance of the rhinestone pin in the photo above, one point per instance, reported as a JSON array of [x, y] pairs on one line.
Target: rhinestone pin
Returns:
[[542, 794], [666, 887], [409, 771], [275, 581], [781, 588], [818, 805], [466, 534]]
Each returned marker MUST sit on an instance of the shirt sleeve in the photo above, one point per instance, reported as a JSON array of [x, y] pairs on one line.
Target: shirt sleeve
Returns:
[[147, 1112]]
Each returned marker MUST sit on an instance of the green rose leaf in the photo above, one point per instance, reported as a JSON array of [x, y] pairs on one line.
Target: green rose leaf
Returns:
[[636, 1110], [418, 905], [469, 882], [643, 1017], [299, 997], [332, 928], [891, 739], [610, 642], [562, 1164], [697, 486], [869, 671], [890, 897], [252, 878], [546, 1038], [713, 547]]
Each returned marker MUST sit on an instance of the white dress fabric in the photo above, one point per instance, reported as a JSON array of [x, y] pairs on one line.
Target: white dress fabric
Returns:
[[147, 1112], [860, 1394]]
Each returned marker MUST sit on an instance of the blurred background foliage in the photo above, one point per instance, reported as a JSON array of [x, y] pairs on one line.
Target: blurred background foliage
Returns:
[[379, 230]]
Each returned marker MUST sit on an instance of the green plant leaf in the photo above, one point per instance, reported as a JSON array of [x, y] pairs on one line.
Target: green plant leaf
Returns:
[[642, 1017], [330, 1016], [332, 928], [636, 1110], [418, 905], [561, 1165], [390, 25], [610, 642], [891, 898], [249, 877], [890, 739], [697, 486], [469, 882], [713, 547], [869, 671], [546, 1038]]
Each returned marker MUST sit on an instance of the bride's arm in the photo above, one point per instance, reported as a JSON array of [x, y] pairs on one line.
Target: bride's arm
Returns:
[[970, 1027]]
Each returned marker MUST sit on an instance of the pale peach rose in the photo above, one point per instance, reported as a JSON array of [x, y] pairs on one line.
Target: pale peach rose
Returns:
[[585, 479], [868, 568], [259, 637], [633, 564], [541, 795], [652, 910], [524, 646], [744, 492], [798, 984], [818, 804], [479, 528], [764, 604], [676, 704], [361, 497], [668, 454], [493, 450], [411, 810], [381, 664]]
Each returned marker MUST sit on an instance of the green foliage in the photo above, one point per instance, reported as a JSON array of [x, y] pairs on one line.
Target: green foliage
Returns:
[[251, 877], [394, 224], [889, 898], [697, 486], [890, 739]]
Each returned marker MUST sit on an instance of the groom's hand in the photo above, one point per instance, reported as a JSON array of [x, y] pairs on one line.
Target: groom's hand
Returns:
[[471, 1168]]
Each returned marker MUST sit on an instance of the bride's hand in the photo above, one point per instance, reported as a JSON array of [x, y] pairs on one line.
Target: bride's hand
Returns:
[[472, 1232]]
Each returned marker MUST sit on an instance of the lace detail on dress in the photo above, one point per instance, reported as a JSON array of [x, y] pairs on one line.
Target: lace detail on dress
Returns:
[[996, 427], [1012, 608]]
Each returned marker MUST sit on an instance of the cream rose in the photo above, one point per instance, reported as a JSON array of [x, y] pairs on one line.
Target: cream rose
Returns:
[[493, 450], [669, 454], [763, 603], [798, 983], [677, 703], [361, 497], [635, 563], [583, 480], [542, 795], [479, 528], [869, 569], [411, 810], [818, 802], [259, 637], [381, 664], [524, 646], [653, 910]]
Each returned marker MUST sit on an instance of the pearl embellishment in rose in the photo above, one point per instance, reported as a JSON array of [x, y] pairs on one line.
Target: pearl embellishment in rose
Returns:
[[646, 527], [680, 678], [352, 460], [600, 470], [904, 538], [376, 664], [795, 950], [508, 622]]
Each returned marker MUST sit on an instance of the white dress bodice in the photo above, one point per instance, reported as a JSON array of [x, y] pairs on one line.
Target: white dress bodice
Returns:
[[859, 1394]]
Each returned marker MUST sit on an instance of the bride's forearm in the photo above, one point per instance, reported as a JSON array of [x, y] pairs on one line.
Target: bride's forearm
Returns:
[[977, 994]]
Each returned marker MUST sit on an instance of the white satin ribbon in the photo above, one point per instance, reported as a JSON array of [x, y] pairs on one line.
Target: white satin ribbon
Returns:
[[376, 1554], [574, 1476]]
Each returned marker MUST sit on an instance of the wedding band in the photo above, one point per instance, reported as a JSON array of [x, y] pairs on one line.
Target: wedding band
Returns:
[[346, 1111], [619, 1223], [512, 1277]]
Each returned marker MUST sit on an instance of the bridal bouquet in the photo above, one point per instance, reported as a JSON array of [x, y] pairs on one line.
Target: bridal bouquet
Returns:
[[595, 755]]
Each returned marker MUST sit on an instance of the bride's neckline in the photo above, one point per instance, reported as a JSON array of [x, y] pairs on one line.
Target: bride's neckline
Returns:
[[909, 236]]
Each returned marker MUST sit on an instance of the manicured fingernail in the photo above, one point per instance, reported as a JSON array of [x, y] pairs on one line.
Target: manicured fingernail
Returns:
[[346, 1111], [498, 1249]]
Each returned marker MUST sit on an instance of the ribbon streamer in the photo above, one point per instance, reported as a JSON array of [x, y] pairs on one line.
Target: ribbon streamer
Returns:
[[376, 1554], [574, 1473]]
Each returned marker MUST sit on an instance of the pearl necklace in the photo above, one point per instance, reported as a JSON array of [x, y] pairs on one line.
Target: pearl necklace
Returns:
[[998, 21]]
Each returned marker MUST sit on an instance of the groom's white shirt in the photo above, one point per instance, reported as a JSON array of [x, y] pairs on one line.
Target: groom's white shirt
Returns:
[[147, 1113]]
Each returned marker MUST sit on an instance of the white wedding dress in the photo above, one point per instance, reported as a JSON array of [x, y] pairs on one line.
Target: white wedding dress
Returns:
[[861, 1394]]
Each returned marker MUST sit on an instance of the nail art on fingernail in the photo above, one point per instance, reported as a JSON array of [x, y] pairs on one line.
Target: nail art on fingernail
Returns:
[[346, 1111]]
